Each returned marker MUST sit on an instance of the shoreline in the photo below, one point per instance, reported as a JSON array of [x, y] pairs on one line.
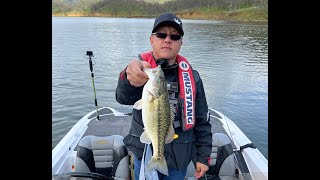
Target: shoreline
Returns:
[[198, 16]]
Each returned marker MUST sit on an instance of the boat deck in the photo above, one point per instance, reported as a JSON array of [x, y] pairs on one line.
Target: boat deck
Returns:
[[111, 124], [248, 162]]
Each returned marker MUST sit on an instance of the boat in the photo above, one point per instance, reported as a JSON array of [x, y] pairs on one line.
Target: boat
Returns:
[[93, 149]]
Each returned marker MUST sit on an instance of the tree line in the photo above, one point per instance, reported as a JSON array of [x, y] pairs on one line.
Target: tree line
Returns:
[[141, 8]]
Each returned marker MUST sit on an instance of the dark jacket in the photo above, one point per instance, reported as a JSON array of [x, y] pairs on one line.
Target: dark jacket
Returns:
[[194, 144]]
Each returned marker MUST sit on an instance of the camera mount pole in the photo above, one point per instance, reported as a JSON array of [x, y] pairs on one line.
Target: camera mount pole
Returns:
[[89, 53]]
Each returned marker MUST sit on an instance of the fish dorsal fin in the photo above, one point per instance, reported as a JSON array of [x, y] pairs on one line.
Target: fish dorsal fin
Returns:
[[144, 138], [170, 135], [138, 105]]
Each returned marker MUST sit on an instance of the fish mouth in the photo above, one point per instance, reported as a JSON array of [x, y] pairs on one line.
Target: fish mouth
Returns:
[[146, 69]]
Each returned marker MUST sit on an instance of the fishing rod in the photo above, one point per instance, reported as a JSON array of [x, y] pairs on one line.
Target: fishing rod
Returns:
[[90, 54]]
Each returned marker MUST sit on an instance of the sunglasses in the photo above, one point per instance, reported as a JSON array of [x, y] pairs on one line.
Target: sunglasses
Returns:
[[174, 37]]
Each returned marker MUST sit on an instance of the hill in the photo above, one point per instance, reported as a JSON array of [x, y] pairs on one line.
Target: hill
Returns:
[[237, 10]]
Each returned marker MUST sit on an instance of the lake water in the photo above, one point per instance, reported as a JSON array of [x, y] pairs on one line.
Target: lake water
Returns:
[[231, 57]]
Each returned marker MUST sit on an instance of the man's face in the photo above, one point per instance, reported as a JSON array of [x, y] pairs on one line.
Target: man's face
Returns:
[[166, 47]]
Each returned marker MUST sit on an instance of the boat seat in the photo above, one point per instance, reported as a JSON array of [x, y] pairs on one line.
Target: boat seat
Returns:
[[105, 155], [222, 164]]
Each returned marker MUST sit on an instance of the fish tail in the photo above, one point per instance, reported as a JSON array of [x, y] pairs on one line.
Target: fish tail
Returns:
[[158, 163]]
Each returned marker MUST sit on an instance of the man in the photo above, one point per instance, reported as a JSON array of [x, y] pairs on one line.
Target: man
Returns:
[[186, 92]]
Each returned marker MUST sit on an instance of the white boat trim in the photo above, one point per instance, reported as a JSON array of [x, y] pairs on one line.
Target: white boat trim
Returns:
[[256, 162]]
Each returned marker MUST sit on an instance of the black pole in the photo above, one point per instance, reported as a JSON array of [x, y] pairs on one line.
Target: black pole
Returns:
[[89, 53]]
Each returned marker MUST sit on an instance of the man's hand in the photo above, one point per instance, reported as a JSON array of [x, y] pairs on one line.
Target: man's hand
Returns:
[[200, 170], [135, 74]]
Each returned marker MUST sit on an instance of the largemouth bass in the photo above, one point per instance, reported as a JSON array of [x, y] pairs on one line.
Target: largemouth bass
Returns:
[[157, 117]]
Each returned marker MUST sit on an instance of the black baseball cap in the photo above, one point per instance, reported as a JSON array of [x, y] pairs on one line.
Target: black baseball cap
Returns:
[[168, 19]]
